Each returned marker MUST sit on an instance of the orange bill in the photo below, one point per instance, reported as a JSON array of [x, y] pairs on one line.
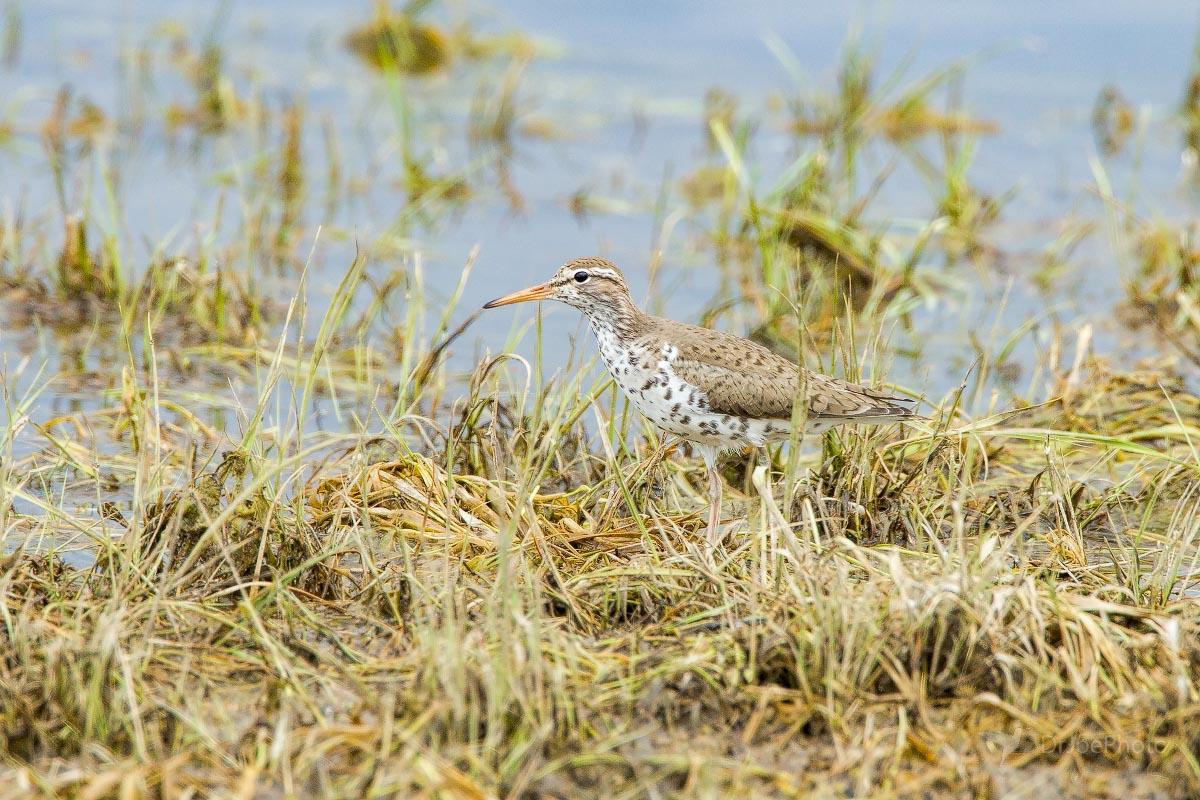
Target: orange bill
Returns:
[[539, 292]]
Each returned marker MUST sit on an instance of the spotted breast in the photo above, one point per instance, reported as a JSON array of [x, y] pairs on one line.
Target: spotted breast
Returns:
[[644, 369]]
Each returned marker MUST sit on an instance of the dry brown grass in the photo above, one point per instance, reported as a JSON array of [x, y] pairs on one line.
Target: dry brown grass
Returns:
[[397, 627]]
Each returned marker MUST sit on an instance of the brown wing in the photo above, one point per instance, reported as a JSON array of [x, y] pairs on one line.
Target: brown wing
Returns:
[[745, 379], [830, 398]]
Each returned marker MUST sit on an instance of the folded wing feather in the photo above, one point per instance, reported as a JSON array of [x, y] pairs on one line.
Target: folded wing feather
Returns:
[[742, 378]]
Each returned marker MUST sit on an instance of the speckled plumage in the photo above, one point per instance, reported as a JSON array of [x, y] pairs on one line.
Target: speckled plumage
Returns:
[[708, 387]]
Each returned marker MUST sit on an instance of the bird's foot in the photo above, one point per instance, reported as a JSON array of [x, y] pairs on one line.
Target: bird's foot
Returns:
[[714, 502]]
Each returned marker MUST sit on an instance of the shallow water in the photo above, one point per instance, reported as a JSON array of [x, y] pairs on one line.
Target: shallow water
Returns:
[[622, 87]]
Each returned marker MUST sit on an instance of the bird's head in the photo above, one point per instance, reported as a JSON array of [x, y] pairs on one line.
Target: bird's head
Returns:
[[589, 284]]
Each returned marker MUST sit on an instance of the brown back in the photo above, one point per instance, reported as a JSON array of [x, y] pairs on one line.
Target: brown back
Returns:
[[745, 379]]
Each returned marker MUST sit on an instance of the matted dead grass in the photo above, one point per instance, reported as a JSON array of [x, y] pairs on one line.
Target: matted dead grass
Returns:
[[398, 628]]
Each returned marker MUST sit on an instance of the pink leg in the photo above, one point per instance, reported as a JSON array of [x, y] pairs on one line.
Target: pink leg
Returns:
[[714, 495], [714, 507]]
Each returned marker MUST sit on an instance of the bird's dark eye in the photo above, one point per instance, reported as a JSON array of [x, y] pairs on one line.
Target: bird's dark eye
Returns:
[[581, 276]]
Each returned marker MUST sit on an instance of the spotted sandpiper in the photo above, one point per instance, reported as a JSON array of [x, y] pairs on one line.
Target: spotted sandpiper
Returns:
[[710, 388]]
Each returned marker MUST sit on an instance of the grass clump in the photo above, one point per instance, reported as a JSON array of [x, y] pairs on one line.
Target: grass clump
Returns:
[[401, 41], [189, 300], [810, 238], [395, 40], [232, 532]]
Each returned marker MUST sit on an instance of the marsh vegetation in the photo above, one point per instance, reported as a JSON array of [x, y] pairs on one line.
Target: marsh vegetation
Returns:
[[284, 516]]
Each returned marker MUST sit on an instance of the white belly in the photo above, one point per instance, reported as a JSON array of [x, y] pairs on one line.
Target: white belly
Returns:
[[677, 407]]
